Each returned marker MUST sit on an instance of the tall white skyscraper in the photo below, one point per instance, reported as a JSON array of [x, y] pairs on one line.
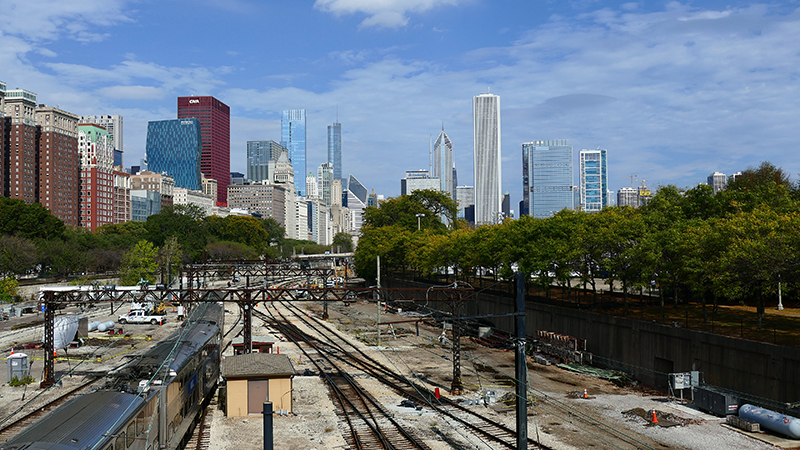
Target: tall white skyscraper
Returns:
[[443, 163], [488, 179]]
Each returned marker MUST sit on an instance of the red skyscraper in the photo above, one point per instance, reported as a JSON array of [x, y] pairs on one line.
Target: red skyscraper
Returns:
[[215, 130]]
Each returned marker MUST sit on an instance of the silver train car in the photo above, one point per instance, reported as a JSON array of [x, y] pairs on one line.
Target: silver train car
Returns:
[[149, 404]]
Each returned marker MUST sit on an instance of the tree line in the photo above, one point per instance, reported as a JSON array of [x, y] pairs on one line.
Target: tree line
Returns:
[[33, 241], [735, 246]]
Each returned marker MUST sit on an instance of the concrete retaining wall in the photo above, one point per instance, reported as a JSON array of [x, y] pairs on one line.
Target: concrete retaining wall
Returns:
[[650, 350]]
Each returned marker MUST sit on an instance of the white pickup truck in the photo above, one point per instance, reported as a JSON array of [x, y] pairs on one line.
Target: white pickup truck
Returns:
[[141, 316]]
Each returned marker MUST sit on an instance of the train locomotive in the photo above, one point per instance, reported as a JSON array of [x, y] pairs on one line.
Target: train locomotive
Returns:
[[150, 403]]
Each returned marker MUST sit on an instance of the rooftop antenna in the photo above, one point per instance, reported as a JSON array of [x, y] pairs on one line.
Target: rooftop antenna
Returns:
[[337, 113]]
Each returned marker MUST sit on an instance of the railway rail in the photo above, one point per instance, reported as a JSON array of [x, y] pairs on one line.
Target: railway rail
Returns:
[[495, 434]]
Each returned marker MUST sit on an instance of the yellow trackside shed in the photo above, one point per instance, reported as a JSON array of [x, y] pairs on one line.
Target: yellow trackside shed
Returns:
[[254, 378]]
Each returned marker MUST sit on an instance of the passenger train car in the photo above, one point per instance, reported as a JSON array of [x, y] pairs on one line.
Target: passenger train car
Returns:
[[149, 404]]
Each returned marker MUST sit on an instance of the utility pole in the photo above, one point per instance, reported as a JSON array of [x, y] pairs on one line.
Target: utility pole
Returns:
[[378, 296], [521, 366]]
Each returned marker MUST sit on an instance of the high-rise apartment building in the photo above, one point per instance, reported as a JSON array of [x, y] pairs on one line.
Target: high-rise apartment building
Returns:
[[121, 202], [113, 124], [293, 137], [174, 147], [97, 176], [3, 143], [335, 148], [215, 130], [20, 149], [443, 164], [593, 174], [58, 163], [717, 181], [628, 196], [487, 158], [546, 177]]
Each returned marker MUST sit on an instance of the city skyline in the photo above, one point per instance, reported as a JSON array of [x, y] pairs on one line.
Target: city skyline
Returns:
[[674, 91]]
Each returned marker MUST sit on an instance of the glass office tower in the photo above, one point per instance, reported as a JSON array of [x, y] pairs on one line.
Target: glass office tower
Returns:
[[335, 148], [547, 177], [175, 147], [594, 180], [293, 137]]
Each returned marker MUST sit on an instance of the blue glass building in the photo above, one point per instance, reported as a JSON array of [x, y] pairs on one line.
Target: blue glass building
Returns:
[[293, 137], [547, 177], [175, 146], [335, 149], [594, 180], [259, 155]]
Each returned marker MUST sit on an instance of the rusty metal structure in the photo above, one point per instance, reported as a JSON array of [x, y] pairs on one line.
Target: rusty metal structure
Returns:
[[246, 297]]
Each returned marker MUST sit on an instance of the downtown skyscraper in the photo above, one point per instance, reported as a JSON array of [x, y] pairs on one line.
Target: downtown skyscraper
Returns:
[[335, 148], [594, 180], [486, 138], [215, 130], [546, 177], [293, 137], [443, 164]]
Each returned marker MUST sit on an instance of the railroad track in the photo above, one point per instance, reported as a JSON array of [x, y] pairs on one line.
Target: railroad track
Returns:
[[369, 424], [494, 434], [18, 425], [201, 436]]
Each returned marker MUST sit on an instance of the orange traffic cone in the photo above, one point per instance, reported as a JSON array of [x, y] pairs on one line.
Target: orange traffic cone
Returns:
[[655, 419], [585, 394], [12, 350], [278, 349]]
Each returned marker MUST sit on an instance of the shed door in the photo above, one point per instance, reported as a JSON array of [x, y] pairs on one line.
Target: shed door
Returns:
[[257, 394]]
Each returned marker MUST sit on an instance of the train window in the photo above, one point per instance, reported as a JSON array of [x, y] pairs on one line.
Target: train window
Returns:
[[119, 442], [140, 425], [131, 433]]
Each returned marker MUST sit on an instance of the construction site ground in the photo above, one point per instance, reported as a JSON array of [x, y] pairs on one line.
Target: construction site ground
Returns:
[[559, 416]]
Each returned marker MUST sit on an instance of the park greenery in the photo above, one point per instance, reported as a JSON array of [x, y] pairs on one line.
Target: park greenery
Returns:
[[35, 243], [733, 247]]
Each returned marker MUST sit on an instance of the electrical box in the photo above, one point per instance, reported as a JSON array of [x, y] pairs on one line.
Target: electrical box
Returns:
[[716, 403]]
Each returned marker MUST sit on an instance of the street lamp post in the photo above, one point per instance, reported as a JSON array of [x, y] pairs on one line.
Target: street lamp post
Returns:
[[419, 224]]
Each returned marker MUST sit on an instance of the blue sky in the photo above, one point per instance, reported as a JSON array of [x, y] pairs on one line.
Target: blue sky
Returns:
[[673, 90]]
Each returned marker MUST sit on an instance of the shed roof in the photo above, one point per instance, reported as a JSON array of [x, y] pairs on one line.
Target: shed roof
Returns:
[[256, 364]]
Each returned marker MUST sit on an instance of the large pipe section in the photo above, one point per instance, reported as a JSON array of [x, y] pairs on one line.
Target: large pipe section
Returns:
[[771, 420]]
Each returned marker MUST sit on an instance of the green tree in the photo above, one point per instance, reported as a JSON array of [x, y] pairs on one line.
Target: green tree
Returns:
[[169, 259], [343, 242], [191, 233], [139, 264], [32, 221], [9, 289], [17, 255]]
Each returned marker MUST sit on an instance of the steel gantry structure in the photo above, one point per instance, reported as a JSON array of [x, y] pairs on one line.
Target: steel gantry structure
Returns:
[[257, 276]]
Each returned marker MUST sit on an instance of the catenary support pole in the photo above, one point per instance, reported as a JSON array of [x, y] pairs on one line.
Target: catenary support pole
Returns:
[[378, 296], [267, 413], [521, 364]]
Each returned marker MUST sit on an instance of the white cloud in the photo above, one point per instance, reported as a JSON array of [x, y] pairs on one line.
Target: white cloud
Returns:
[[50, 19], [132, 92], [382, 13]]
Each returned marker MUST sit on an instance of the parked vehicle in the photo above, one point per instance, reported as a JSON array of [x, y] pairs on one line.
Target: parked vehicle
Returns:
[[141, 316]]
